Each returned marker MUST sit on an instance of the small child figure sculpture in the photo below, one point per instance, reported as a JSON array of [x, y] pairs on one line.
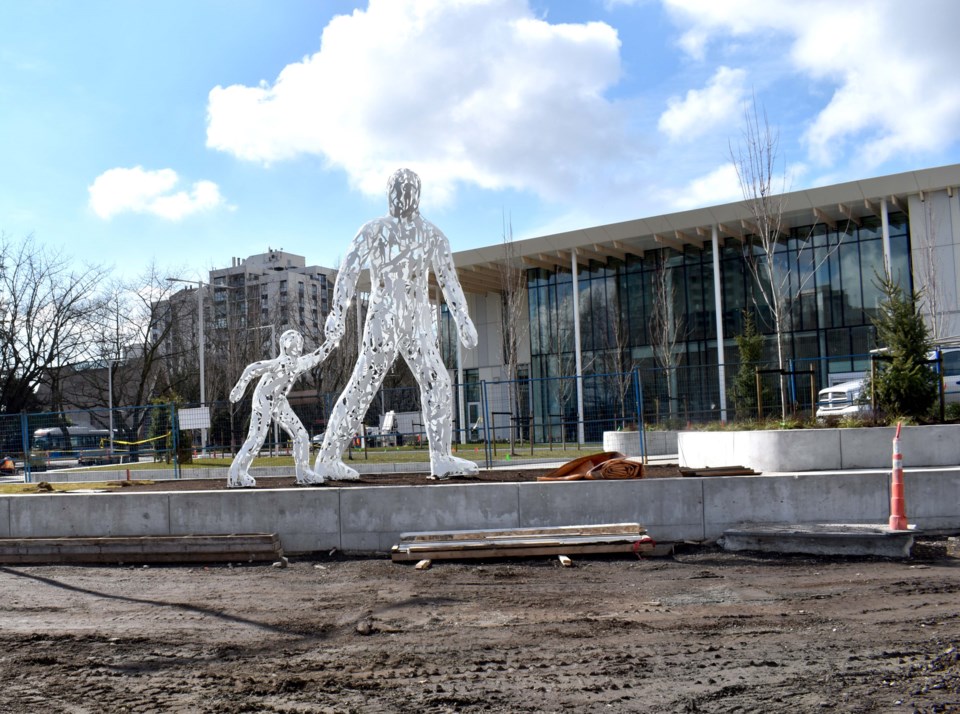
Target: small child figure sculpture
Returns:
[[277, 377]]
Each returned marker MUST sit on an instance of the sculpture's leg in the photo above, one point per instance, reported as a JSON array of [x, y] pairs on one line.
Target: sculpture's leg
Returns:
[[291, 424], [239, 475], [436, 399], [351, 407]]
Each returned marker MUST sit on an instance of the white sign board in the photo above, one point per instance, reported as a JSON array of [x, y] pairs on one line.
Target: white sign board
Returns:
[[197, 418]]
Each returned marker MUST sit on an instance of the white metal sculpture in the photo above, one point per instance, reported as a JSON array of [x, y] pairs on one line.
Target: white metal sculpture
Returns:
[[401, 249], [277, 377]]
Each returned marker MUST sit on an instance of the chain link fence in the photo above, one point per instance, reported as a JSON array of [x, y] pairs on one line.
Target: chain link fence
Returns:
[[51, 441], [493, 421]]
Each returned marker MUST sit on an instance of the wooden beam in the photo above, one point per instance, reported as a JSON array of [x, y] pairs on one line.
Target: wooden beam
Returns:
[[688, 239], [537, 263], [704, 233], [632, 250], [872, 207], [822, 217], [481, 287], [847, 213], [553, 260], [491, 272], [610, 252], [587, 253], [749, 227], [669, 242], [895, 202], [726, 230], [574, 254]]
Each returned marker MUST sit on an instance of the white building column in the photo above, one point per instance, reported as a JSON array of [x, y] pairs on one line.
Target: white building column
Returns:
[[885, 233], [718, 306], [576, 343]]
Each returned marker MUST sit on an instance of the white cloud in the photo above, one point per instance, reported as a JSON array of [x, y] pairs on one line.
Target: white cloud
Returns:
[[137, 190], [718, 186], [893, 71], [717, 104], [471, 91]]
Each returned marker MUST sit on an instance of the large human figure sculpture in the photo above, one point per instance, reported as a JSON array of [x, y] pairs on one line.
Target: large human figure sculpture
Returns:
[[277, 377], [401, 249]]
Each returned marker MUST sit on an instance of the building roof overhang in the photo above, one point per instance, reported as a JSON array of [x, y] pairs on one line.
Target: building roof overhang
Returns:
[[832, 205]]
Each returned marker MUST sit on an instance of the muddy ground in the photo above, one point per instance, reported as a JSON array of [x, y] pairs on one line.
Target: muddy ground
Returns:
[[702, 631]]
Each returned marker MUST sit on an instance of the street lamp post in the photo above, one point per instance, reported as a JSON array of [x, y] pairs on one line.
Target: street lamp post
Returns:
[[110, 363], [203, 393]]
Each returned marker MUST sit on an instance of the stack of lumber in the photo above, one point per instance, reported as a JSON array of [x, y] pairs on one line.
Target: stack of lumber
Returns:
[[244, 547], [523, 542], [719, 471]]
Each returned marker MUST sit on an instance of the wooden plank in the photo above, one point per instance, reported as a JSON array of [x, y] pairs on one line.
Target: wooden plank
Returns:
[[514, 543], [142, 549], [605, 528], [497, 552], [718, 471]]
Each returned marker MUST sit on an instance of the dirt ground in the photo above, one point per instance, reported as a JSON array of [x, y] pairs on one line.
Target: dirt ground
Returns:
[[702, 631], [386, 479]]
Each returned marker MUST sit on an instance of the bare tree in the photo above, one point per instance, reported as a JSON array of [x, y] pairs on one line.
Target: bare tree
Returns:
[[620, 362], [131, 339], [566, 359], [45, 307], [668, 328], [513, 322], [763, 185]]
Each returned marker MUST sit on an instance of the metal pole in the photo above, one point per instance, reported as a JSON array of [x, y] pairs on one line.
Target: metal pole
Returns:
[[203, 390], [110, 402], [486, 424]]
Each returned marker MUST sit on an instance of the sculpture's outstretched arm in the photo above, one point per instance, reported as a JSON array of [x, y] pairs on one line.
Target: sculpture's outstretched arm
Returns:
[[251, 371], [311, 360], [449, 283], [345, 287]]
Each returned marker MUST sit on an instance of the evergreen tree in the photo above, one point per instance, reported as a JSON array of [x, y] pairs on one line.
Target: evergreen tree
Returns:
[[743, 392], [905, 385]]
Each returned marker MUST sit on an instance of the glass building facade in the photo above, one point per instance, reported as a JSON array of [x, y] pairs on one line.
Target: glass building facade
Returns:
[[832, 295]]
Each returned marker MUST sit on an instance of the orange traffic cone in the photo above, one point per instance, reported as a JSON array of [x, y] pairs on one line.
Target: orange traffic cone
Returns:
[[898, 516]]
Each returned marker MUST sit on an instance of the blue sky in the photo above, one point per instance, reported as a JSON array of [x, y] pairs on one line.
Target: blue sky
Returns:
[[188, 132]]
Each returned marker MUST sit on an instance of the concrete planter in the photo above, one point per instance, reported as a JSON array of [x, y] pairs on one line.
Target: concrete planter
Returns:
[[820, 449], [628, 442]]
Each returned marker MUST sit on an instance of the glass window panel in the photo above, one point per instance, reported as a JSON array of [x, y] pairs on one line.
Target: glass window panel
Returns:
[[850, 276]]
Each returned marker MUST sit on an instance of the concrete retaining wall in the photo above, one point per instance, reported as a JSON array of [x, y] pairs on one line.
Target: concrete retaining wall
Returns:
[[820, 449], [360, 519]]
